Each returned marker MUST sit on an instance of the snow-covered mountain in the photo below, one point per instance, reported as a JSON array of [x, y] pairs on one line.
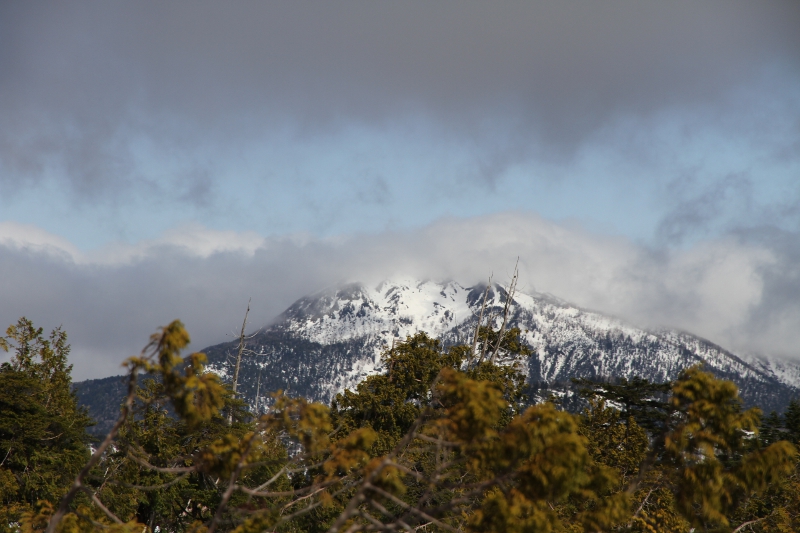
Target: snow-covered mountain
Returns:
[[331, 340]]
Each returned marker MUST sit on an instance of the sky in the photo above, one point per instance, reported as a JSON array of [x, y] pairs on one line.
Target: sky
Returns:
[[173, 160]]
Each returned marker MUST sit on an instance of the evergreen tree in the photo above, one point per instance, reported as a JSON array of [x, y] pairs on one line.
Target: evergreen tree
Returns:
[[43, 439], [792, 421], [390, 402], [702, 467], [639, 399], [771, 429]]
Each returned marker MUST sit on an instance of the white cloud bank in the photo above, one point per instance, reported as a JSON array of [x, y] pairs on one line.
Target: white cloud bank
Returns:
[[736, 291]]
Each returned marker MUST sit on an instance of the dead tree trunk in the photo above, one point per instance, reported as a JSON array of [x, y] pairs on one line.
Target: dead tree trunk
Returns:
[[258, 391], [239, 353], [474, 351], [512, 288]]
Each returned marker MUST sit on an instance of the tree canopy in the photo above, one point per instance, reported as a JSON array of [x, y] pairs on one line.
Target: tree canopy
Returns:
[[443, 439]]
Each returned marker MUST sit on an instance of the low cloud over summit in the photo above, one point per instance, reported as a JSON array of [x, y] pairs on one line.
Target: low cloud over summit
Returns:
[[735, 291]]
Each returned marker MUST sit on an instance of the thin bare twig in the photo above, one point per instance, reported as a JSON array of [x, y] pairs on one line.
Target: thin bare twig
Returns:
[[639, 510], [102, 507], [438, 442], [271, 480], [512, 289], [6, 457], [408, 507], [374, 521], [304, 510], [388, 513], [162, 470], [359, 497], [298, 500], [293, 492], [485, 343], [77, 484], [151, 487], [412, 473], [226, 496], [473, 353], [750, 523], [242, 340]]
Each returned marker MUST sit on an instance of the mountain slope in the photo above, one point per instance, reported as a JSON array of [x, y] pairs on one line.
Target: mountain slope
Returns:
[[331, 340]]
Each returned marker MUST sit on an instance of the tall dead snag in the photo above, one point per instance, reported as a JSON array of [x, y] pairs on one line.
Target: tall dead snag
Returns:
[[241, 349], [239, 353], [474, 351], [258, 391], [391, 361], [485, 343], [510, 291]]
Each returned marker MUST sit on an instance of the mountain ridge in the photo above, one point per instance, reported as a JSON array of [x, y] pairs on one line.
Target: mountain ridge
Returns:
[[334, 338], [567, 341]]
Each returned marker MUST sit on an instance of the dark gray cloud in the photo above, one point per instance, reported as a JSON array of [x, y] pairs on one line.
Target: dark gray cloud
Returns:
[[694, 211], [739, 291], [704, 208], [84, 81]]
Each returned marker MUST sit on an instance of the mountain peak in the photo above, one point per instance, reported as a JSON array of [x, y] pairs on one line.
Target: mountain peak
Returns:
[[334, 338]]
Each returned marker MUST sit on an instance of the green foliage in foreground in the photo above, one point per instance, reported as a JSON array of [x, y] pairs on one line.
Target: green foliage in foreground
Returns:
[[440, 442], [43, 440]]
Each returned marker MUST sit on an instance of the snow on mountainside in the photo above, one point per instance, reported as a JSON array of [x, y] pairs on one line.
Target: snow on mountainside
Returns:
[[781, 369], [389, 310], [331, 340]]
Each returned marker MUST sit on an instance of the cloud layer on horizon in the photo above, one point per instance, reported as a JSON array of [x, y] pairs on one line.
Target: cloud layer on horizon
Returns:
[[741, 292]]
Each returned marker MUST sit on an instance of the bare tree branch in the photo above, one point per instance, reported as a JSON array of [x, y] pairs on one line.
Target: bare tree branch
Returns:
[[147, 488], [360, 495], [282, 493], [226, 496], [102, 507], [163, 470], [749, 523], [77, 484], [304, 510], [408, 507], [512, 289], [239, 359], [474, 351]]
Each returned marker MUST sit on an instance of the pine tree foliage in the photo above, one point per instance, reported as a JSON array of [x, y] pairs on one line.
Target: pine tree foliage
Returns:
[[638, 398], [703, 467], [43, 439], [792, 421], [778, 508]]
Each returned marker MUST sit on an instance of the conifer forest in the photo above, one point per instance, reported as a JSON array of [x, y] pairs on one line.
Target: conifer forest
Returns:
[[443, 439]]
